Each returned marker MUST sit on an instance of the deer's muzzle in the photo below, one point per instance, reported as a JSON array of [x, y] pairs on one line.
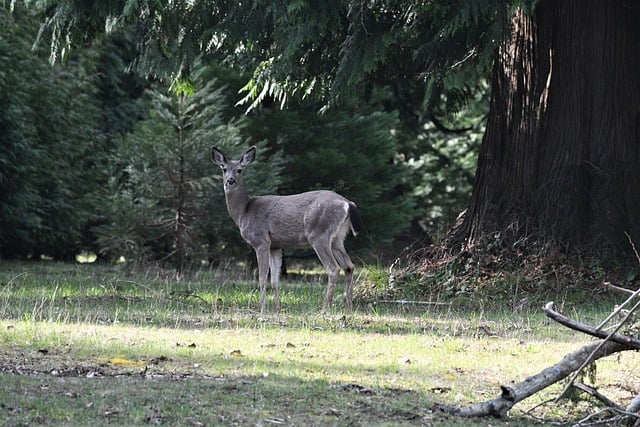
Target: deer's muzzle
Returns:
[[231, 181]]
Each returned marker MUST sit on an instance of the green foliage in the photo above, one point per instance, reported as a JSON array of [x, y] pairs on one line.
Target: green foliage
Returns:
[[443, 163], [50, 164], [165, 202], [409, 62], [351, 152], [120, 89], [331, 48]]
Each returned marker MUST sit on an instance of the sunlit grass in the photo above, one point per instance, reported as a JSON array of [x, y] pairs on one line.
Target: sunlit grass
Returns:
[[113, 346]]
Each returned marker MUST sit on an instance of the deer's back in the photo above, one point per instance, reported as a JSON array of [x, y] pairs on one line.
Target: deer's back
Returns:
[[289, 221]]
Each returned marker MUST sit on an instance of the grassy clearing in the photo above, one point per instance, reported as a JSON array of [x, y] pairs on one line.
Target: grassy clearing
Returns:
[[88, 344]]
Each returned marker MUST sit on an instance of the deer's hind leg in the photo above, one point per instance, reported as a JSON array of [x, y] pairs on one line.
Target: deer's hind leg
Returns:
[[344, 261], [275, 265], [322, 247]]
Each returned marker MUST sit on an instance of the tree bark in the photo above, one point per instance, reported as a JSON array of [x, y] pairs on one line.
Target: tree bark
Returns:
[[560, 159]]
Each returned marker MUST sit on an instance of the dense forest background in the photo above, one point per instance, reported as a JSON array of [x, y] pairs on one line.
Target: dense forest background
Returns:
[[97, 157], [509, 127]]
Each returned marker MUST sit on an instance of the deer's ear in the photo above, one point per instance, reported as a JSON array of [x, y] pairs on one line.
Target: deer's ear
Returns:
[[217, 157], [248, 157]]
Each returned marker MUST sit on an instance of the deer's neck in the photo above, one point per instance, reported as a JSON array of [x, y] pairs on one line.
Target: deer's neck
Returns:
[[237, 204]]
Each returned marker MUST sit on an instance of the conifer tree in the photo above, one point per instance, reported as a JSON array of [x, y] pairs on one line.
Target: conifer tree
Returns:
[[166, 201]]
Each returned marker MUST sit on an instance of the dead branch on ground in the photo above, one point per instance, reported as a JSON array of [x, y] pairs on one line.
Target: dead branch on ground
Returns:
[[510, 395], [513, 394]]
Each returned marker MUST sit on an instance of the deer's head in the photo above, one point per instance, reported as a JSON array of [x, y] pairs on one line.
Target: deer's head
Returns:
[[232, 169]]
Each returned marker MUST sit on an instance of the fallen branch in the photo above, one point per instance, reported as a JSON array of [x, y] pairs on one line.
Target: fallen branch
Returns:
[[631, 343], [513, 394], [581, 327], [634, 406], [510, 395]]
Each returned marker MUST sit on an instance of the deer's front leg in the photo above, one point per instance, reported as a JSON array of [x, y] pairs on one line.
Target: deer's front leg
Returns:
[[262, 254]]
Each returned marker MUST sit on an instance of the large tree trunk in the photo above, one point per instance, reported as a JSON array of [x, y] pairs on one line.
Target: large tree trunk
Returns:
[[560, 159]]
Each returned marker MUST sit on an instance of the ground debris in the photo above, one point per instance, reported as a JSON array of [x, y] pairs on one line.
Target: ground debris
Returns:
[[358, 389]]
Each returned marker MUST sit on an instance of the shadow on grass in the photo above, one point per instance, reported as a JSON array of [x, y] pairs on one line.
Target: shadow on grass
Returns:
[[211, 299], [160, 392], [70, 375]]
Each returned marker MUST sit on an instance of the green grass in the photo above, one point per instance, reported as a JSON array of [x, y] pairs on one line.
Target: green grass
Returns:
[[90, 344]]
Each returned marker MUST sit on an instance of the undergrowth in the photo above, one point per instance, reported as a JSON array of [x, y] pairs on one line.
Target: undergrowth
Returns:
[[503, 278]]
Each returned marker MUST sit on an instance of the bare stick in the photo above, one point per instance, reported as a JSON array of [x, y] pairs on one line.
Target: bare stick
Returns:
[[619, 308], [633, 246], [619, 289]]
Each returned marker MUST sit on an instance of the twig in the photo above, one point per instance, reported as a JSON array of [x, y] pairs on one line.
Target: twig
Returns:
[[607, 421], [632, 343], [131, 282], [622, 414], [533, 408], [10, 281], [619, 289], [188, 294], [633, 246], [599, 396], [619, 308]]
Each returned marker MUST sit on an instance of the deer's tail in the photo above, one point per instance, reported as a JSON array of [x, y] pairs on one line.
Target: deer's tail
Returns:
[[354, 217]]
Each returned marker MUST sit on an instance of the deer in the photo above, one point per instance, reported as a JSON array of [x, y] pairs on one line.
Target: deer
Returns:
[[318, 219]]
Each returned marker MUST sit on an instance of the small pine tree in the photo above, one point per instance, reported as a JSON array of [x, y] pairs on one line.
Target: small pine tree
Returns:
[[166, 202]]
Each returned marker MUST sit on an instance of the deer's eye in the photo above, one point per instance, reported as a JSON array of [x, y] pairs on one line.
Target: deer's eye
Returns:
[[239, 171], [224, 170]]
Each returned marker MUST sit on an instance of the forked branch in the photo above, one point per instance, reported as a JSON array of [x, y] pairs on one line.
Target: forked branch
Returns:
[[510, 395]]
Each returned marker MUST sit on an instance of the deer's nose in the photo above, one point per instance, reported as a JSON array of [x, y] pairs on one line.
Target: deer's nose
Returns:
[[231, 181]]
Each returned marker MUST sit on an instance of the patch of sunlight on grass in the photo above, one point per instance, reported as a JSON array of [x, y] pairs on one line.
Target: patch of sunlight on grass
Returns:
[[409, 361], [197, 350]]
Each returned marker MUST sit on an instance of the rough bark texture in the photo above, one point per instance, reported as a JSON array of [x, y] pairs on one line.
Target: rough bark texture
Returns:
[[560, 157]]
